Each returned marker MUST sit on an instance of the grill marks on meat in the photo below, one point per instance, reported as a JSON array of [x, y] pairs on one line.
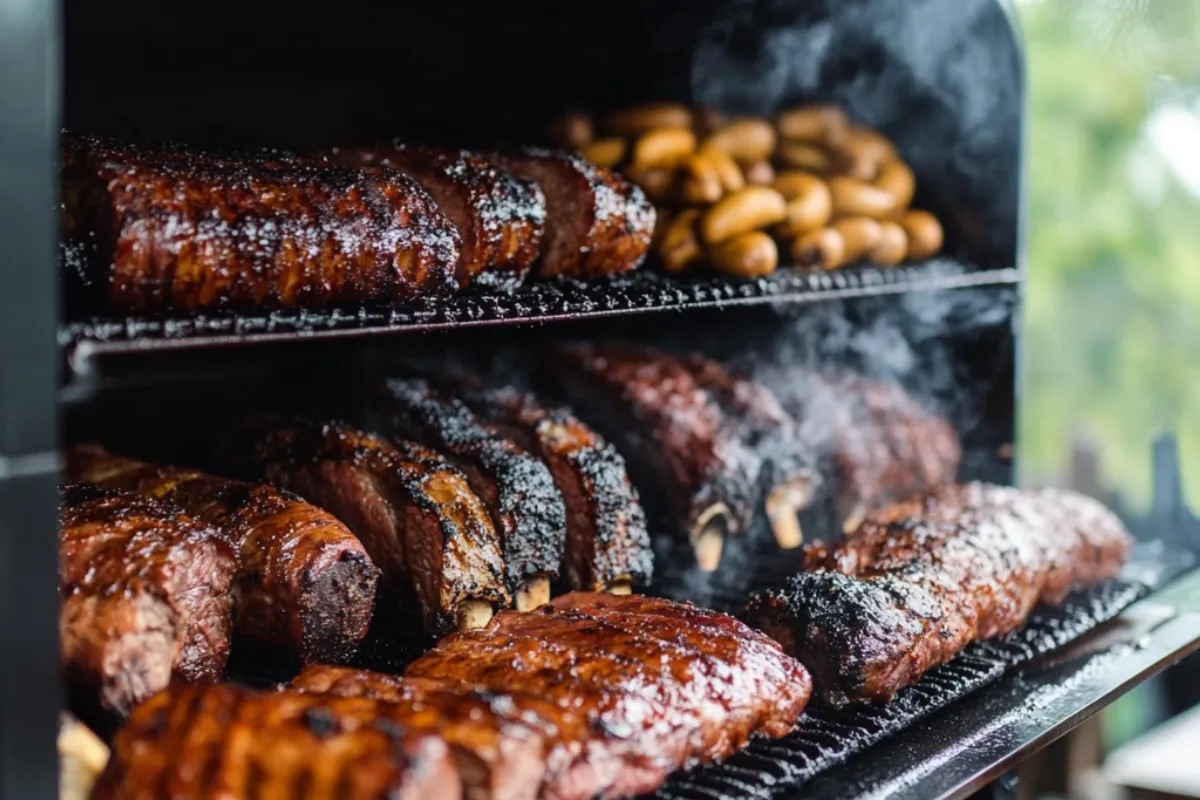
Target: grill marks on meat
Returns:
[[785, 479], [145, 590], [525, 504], [918, 581], [597, 223], [662, 685], [501, 218], [414, 512], [607, 544], [304, 582], [223, 741], [672, 432], [498, 741], [169, 229]]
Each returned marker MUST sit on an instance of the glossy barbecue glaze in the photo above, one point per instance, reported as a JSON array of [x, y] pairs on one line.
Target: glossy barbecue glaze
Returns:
[[608, 546], [597, 223], [171, 229], [919, 581], [194, 742], [501, 218], [525, 504], [145, 589], [663, 684], [414, 512], [303, 583], [673, 433], [500, 741]]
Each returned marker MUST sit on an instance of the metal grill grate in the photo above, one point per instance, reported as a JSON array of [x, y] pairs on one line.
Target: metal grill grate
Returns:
[[826, 738], [556, 300]]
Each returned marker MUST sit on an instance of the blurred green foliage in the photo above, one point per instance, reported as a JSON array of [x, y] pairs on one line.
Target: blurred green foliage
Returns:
[[1112, 318]]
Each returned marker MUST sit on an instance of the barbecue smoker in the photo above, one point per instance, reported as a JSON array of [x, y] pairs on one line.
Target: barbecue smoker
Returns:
[[942, 78]]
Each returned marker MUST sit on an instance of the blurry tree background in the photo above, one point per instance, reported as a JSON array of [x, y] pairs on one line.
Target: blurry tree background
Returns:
[[1113, 298], [1112, 325]]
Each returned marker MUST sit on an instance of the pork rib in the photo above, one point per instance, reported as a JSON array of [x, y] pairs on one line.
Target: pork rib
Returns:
[[199, 742], [672, 433], [786, 479], [884, 446], [661, 685], [597, 223], [304, 583], [499, 741], [917, 582], [145, 590], [607, 546], [501, 218], [526, 506], [413, 511], [171, 229]]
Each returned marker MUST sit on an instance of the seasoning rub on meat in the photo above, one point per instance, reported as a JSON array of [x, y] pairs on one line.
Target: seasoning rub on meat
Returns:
[[170, 229], [919, 581], [502, 219], [674, 436], [608, 546], [526, 506]]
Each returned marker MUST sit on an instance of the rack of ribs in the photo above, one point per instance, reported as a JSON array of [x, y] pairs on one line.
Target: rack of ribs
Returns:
[[918, 581], [500, 741], [414, 512], [673, 434], [886, 447], [661, 685], [199, 742], [786, 479], [170, 229], [597, 223], [526, 506], [145, 591], [607, 547], [304, 583], [501, 218]]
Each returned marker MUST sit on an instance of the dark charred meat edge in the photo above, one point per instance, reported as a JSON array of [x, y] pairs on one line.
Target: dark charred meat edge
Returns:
[[413, 511], [145, 591], [919, 580], [608, 546], [304, 583], [673, 434], [787, 482], [170, 229], [526, 506]]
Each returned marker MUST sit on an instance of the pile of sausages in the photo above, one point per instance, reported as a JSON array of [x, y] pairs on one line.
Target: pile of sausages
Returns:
[[807, 188]]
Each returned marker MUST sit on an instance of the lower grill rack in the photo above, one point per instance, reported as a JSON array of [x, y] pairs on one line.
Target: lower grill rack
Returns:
[[646, 290], [825, 738]]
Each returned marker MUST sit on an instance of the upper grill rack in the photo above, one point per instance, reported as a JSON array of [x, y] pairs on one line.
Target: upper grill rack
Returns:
[[641, 291]]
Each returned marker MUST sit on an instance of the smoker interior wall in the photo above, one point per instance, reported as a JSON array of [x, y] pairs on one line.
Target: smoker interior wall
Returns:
[[942, 77]]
